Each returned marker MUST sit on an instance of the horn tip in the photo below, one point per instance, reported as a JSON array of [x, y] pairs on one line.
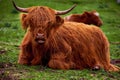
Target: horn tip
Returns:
[[13, 3], [19, 8], [74, 5]]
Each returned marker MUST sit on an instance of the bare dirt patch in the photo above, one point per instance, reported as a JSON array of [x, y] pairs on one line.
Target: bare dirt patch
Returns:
[[3, 51], [115, 61], [8, 71]]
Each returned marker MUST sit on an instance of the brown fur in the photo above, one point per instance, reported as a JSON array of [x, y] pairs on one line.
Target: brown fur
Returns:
[[86, 17], [68, 45]]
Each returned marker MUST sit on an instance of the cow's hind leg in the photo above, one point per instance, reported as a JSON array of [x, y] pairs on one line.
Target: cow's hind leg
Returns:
[[112, 67]]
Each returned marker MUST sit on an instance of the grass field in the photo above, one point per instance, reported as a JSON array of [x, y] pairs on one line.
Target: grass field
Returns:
[[11, 35]]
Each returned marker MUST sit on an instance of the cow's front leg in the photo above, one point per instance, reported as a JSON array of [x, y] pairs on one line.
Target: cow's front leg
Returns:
[[60, 61], [58, 64], [36, 60], [25, 55], [37, 54]]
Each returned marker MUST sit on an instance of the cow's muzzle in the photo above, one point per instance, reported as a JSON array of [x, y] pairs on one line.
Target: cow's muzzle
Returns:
[[40, 38]]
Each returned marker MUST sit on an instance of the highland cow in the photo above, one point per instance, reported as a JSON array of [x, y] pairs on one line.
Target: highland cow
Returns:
[[51, 41], [91, 17]]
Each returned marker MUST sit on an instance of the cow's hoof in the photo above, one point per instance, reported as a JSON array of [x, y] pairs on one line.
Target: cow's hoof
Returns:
[[96, 67]]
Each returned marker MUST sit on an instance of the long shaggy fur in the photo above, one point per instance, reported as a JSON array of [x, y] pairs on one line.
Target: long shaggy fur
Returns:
[[68, 45], [91, 17]]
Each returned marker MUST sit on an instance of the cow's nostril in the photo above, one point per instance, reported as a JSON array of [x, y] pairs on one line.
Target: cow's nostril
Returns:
[[39, 35]]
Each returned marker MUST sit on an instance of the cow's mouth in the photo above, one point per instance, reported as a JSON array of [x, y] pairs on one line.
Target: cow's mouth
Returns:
[[40, 41]]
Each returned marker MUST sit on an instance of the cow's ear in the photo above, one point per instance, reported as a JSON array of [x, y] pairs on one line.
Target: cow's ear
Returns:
[[59, 20], [87, 14], [24, 21], [84, 15]]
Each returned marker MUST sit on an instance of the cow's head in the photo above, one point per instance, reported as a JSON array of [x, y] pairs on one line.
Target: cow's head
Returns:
[[92, 17], [40, 20]]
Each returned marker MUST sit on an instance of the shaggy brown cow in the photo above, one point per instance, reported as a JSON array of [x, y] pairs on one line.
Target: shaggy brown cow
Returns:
[[62, 45], [91, 17]]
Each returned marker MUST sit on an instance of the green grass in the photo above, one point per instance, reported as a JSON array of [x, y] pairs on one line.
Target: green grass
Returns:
[[11, 35]]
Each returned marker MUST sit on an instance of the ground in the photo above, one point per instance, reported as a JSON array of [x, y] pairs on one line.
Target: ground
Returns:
[[11, 35]]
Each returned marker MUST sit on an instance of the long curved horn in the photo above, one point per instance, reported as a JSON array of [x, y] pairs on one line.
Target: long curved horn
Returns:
[[19, 8], [65, 11]]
